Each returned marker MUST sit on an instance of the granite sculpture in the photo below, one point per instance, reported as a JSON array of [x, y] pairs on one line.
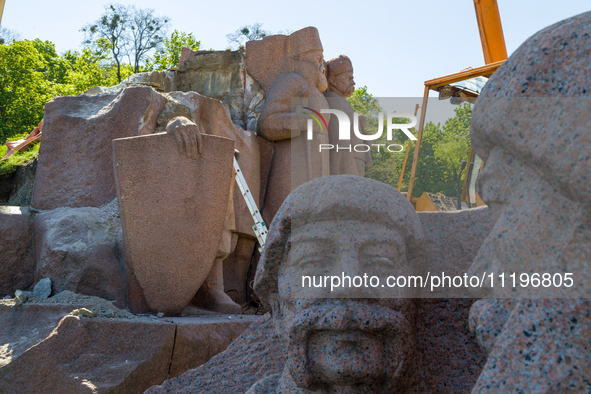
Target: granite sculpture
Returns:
[[341, 344], [340, 86], [290, 67], [531, 126]]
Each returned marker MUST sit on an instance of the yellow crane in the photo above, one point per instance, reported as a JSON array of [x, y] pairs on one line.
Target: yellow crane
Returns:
[[495, 54]]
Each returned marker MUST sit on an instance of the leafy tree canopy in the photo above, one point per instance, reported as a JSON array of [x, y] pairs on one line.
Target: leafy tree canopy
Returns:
[[168, 56]]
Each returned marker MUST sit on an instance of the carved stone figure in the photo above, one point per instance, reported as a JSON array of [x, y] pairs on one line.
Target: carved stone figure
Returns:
[[341, 345], [340, 86], [290, 67], [173, 211], [531, 126], [188, 117], [188, 137]]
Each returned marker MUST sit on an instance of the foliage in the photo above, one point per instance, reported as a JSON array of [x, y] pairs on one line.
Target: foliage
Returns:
[[23, 88], [442, 149], [387, 165], [246, 33], [168, 56], [147, 33], [126, 31], [109, 33], [9, 164]]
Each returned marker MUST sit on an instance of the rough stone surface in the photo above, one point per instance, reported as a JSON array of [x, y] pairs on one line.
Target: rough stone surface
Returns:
[[6, 182], [199, 339], [75, 159], [236, 267], [17, 253], [215, 74], [77, 249], [21, 192], [79, 356], [125, 353], [42, 289], [255, 354], [536, 181], [159, 224], [164, 79], [448, 358], [543, 348], [25, 326], [454, 239]]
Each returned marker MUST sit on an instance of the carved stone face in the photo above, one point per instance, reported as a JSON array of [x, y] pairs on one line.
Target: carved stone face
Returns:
[[535, 225], [343, 84], [344, 344], [311, 66]]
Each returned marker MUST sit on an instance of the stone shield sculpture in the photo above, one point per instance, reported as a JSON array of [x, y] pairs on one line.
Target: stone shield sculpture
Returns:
[[171, 215]]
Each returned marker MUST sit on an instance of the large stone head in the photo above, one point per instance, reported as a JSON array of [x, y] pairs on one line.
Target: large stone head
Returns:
[[306, 52], [532, 127], [338, 340], [340, 76]]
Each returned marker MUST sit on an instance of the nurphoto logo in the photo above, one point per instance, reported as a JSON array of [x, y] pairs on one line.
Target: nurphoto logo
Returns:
[[345, 129]]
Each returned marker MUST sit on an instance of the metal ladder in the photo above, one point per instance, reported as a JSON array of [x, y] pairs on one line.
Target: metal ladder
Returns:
[[259, 227]]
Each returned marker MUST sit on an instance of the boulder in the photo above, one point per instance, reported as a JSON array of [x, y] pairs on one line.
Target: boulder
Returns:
[[21, 192], [49, 344], [172, 210], [75, 159], [215, 74], [200, 338], [25, 326], [77, 249], [17, 254], [163, 81], [42, 288], [85, 355], [221, 75], [255, 354]]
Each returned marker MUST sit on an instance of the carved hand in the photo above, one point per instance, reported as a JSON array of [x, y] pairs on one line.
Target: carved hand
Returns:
[[187, 135]]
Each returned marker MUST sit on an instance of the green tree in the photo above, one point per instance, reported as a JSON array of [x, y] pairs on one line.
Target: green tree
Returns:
[[442, 150], [387, 165], [168, 56], [85, 72], [23, 88], [109, 33]]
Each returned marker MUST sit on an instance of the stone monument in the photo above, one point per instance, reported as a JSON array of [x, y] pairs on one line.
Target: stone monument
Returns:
[[341, 344], [290, 67], [531, 126], [340, 86]]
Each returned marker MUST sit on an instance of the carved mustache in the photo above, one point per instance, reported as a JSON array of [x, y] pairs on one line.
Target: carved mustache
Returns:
[[389, 324], [350, 316]]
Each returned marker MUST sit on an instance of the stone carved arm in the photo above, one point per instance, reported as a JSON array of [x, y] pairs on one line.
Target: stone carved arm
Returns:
[[187, 135], [276, 119]]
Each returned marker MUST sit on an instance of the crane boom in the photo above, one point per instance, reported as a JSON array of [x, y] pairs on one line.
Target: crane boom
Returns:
[[491, 30]]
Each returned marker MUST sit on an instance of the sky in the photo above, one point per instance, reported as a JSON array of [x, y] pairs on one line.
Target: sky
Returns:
[[394, 45]]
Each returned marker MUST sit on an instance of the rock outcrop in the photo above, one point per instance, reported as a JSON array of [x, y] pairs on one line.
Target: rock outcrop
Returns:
[[75, 166]]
